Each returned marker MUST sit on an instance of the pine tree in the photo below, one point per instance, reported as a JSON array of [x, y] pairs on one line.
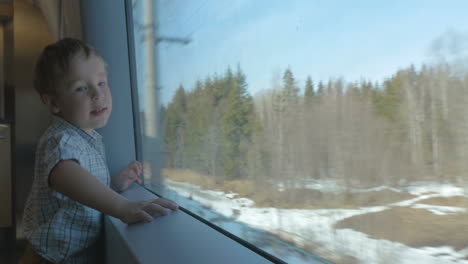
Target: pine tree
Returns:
[[172, 125], [309, 91], [388, 101], [329, 87], [320, 88], [180, 100], [236, 124], [289, 85]]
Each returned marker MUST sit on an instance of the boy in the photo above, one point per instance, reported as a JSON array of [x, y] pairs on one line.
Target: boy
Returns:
[[63, 214]]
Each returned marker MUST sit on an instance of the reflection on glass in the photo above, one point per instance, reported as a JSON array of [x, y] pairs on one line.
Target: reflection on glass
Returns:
[[312, 128]]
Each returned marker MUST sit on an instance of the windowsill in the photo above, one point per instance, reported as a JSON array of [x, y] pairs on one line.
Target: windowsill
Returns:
[[175, 238]]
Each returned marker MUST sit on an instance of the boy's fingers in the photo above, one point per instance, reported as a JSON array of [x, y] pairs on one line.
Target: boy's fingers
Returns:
[[166, 203], [145, 216], [136, 179], [140, 166], [137, 171], [137, 167], [155, 208], [133, 176], [133, 167]]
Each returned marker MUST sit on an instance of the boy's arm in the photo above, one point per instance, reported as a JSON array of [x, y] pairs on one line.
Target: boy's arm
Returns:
[[70, 179]]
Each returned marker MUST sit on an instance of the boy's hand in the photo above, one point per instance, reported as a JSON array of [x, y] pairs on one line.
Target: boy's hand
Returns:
[[127, 176], [133, 212]]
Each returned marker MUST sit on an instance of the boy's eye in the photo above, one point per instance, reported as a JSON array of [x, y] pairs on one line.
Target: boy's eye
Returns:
[[81, 89], [101, 84]]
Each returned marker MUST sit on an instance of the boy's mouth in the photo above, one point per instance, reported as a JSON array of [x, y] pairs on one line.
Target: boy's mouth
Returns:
[[99, 111]]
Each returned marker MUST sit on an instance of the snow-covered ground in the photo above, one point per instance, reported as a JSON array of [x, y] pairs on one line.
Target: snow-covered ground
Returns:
[[315, 227]]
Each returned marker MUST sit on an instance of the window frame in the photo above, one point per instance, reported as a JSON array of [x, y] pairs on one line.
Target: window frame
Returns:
[[115, 26]]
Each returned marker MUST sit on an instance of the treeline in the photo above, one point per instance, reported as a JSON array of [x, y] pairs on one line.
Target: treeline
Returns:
[[412, 126], [209, 129]]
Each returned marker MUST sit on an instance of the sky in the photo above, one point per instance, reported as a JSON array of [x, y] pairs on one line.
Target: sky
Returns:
[[323, 39]]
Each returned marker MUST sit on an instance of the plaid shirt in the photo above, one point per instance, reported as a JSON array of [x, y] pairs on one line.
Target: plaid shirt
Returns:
[[59, 228]]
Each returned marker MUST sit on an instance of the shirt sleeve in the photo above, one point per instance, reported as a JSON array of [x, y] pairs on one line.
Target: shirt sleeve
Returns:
[[58, 148]]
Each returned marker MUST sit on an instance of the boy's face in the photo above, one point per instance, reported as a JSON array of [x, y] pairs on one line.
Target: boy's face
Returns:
[[83, 97]]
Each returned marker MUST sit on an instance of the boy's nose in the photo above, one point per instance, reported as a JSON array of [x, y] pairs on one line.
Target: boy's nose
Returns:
[[96, 93]]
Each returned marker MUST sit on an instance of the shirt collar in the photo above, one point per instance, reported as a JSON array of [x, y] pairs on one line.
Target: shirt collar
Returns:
[[92, 137]]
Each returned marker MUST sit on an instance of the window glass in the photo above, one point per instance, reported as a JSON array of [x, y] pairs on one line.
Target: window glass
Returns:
[[311, 128], [2, 72]]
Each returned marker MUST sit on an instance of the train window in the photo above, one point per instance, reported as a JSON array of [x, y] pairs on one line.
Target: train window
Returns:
[[311, 128]]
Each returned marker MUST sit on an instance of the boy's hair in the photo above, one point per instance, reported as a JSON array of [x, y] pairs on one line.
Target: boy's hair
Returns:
[[54, 63]]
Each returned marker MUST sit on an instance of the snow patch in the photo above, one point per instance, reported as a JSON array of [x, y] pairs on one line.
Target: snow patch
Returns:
[[444, 190], [440, 210]]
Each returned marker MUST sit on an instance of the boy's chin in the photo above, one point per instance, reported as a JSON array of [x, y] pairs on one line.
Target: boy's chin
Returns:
[[101, 124], [98, 124]]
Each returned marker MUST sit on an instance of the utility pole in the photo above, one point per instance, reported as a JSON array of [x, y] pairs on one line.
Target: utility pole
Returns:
[[153, 146], [149, 43]]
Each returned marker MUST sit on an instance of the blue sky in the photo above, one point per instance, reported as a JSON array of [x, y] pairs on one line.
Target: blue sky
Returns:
[[359, 39]]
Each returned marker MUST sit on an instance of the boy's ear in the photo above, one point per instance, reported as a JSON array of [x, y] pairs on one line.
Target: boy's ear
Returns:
[[49, 100]]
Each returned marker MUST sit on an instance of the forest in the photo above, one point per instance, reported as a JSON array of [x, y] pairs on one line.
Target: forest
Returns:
[[413, 126]]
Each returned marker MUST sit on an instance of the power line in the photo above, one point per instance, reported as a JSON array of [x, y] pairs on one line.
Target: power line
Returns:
[[183, 41]]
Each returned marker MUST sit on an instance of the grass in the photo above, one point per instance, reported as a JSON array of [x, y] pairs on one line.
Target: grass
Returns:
[[412, 227]]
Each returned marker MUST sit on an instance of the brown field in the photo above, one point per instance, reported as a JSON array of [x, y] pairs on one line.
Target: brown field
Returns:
[[412, 227], [458, 201], [267, 195]]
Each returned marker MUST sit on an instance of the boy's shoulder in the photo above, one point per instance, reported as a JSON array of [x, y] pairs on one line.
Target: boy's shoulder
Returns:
[[58, 130], [62, 133]]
